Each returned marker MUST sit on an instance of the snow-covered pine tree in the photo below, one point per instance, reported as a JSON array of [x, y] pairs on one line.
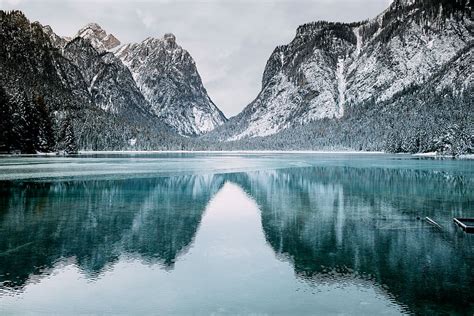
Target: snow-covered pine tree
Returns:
[[45, 141], [25, 123], [6, 126], [67, 141]]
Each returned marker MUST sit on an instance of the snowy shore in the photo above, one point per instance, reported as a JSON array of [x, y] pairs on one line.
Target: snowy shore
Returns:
[[85, 152], [241, 152]]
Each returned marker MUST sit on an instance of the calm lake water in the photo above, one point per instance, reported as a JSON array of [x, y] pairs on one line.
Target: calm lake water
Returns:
[[231, 233]]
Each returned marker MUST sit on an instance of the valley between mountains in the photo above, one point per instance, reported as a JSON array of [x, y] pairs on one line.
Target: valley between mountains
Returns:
[[400, 82]]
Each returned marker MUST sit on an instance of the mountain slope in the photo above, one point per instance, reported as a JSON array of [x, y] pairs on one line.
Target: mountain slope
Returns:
[[331, 68], [46, 104], [109, 82], [167, 76]]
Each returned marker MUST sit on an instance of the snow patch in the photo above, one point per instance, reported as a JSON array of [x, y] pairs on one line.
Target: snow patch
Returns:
[[202, 121], [430, 44], [359, 41], [92, 83], [341, 85]]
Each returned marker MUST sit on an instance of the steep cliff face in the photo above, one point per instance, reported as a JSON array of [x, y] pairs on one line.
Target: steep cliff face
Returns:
[[302, 82], [56, 40], [407, 44], [332, 67], [109, 82], [168, 79]]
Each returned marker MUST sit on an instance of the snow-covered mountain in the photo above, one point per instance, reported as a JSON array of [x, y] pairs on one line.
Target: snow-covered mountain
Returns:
[[98, 37], [330, 68], [168, 78], [56, 40], [56, 95], [109, 82]]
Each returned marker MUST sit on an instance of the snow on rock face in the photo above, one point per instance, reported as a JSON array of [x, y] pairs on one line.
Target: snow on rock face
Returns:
[[341, 86], [388, 65], [110, 83], [56, 40], [329, 67], [98, 37], [303, 81], [155, 78], [168, 79]]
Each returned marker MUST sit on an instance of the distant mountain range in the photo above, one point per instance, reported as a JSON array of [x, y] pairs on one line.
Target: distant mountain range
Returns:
[[401, 82]]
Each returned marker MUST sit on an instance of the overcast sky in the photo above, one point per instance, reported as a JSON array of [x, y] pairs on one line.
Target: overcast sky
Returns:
[[230, 40]]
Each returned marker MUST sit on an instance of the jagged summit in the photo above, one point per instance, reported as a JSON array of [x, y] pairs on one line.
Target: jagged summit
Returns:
[[170, 40], [98, 37], [168, 79], [56, 40], [92, 28]]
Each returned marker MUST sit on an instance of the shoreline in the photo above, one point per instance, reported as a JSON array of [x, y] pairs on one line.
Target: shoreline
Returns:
[[86, 152], [242, 152]]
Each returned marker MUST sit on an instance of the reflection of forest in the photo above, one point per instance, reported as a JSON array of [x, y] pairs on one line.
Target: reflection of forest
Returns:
[[330, 222], [96, 221], [333, 223]]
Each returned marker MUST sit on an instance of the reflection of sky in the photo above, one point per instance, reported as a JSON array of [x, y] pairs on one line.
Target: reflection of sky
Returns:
[[230, 40], [230, 268]]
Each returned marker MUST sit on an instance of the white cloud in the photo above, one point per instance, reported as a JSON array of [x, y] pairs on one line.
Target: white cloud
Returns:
[[147, 18]]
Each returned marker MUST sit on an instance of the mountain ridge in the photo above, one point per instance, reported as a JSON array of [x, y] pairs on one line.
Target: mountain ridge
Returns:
[[331, 67], [164, 73]]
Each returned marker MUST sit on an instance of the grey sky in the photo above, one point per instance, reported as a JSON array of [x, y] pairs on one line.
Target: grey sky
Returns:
[[230, 40]]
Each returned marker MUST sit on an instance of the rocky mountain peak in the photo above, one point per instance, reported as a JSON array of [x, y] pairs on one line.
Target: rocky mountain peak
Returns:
[[168, 79], [98, 37], [93, 28], [56, 40], [110, 41], [170, 40]]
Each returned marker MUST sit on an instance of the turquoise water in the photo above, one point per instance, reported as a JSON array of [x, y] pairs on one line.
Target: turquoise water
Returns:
[[235, 233]]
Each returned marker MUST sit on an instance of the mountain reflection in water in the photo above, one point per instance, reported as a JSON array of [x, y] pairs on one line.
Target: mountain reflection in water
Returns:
[[327, 239]]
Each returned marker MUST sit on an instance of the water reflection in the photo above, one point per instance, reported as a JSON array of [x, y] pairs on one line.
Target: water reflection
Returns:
[[331, 223], [350, 232], [94, 222]]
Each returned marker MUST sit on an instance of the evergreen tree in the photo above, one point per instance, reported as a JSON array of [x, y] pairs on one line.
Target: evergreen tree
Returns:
[[5, 122], [24, 124], [67, 140], [45, 133]]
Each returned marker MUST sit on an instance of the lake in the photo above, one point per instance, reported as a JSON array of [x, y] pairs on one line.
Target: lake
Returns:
[[263, 233]]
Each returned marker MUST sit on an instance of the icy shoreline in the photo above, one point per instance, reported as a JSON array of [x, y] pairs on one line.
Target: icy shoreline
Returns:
[[85, 152], [243, 152]]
